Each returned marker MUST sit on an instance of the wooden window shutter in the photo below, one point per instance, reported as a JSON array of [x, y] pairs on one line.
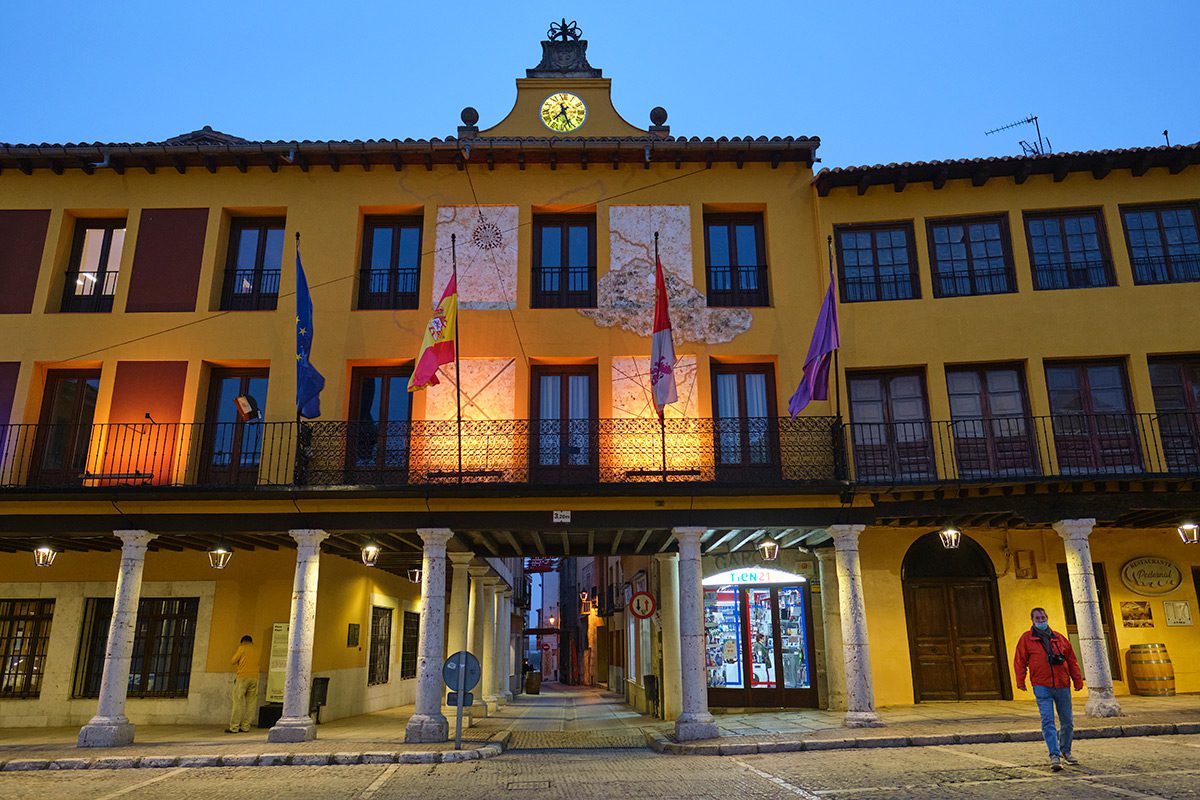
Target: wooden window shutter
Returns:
[[22, 239], [167, 259]]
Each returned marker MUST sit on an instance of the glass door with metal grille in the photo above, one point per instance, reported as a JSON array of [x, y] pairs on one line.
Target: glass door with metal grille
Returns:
[[65, 429], [564, 425], [233, 440]]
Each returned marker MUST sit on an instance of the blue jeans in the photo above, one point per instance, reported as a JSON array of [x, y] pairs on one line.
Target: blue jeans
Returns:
[[1048, 699]]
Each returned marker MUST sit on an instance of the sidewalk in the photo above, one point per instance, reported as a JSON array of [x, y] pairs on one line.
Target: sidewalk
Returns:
[[925, 724], [583, 718]]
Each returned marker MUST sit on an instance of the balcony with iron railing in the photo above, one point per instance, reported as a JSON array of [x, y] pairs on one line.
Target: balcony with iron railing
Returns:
[[250, 290], [807, 453]]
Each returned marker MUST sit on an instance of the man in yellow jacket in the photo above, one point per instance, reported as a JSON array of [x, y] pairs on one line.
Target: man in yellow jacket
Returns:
[[245, 686]]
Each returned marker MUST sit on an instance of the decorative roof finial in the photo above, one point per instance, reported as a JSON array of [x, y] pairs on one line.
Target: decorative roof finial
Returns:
[[564, 31], [564, 54]]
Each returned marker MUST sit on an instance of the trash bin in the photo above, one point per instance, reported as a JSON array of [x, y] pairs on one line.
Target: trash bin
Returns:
[[533, 682], [318, 697]]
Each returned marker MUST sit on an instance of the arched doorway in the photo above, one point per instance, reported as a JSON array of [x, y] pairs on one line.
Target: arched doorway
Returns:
[[955, 636]]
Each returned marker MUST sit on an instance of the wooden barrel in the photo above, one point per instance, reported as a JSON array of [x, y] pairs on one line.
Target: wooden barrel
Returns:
[[1150, 671]]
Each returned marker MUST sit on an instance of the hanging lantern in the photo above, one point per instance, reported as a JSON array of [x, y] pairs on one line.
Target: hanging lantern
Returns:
[[769, 549], [44, 556], [1189, 532], [951, 538], [414, 575], [219, 556], [370, 554]]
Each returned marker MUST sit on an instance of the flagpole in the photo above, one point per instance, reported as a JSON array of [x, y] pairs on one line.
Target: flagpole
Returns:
[[457, 373], [662, 422], [297, 316], [837, 374]]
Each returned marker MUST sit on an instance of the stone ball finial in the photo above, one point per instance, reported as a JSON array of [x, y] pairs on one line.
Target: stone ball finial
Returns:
[[469, 116], [658, 115]]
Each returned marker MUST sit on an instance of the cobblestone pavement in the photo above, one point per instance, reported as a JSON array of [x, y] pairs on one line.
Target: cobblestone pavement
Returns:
[[1146, 768]]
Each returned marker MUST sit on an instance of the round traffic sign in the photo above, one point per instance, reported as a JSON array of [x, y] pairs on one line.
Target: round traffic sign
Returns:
[[469, 665], [642, 605]]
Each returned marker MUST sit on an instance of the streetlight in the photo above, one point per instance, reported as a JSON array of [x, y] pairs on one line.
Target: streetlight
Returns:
[[218, 557], [370, 554], [1189, 532], [951, 538], [44, 556], [768, 548], [414, 575]]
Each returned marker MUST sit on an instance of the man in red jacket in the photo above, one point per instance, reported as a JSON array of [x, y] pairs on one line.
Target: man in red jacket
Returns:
[[1052, 667]]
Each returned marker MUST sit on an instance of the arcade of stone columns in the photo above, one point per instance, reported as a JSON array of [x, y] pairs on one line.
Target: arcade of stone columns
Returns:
[[479, 614]]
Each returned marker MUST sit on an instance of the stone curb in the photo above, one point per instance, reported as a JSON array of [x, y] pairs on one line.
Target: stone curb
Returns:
[[738, 745], [489, 750]]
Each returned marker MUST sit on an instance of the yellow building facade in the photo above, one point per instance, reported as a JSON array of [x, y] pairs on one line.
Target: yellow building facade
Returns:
[[1015, 356]]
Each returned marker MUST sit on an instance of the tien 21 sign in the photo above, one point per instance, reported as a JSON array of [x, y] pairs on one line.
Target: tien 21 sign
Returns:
[[1151, 576]]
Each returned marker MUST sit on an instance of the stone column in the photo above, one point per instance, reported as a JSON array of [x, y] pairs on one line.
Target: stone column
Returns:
[[458, 628], [428, 724], [694, 722], [668, 610], [1092, 651], [487, 685], [110, 727], [475, 633], [835, 675], [504, 646], [296, 725], [856, 648]]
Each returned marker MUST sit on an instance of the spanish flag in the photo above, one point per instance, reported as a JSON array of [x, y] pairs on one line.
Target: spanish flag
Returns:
[[439, 345]]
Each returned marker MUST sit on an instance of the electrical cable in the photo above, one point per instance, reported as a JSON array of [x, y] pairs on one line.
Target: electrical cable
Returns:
[[339, 279]]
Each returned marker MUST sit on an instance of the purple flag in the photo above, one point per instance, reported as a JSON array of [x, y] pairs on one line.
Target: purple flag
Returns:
[[814, 385]]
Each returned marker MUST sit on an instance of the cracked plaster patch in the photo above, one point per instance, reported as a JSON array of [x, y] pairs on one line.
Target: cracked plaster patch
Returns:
[[625, 296]]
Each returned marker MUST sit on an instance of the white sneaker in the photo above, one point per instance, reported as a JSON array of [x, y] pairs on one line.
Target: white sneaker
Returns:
[[1055, 764], [1070, 759]]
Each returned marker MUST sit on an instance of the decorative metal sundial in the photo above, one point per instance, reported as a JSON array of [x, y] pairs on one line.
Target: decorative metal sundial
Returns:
[[486, 235], [564, 31]]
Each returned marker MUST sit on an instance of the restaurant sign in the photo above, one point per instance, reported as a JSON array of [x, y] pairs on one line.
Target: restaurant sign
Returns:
[[1151, 576]]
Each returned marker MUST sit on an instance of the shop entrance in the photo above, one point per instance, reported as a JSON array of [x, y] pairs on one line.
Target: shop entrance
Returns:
[[954, 630], [758, 643]]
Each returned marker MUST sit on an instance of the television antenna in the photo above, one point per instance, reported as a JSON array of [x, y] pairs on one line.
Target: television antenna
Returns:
[[1040, 147]]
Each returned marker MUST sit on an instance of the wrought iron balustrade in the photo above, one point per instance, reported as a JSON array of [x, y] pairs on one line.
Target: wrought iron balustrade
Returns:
[[768, 452]]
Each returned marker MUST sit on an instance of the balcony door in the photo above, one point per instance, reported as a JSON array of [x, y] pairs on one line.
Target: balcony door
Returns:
[[747, 447], [890, 427], [564, 425], [378, 436], [232, 444], [1093, 428], [990, 413], [65, 427], [1177, 400]]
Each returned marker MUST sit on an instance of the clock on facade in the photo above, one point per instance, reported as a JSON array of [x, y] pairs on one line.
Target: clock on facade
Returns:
[[563, 112]]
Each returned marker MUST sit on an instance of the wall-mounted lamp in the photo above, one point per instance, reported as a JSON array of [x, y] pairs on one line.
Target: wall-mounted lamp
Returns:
[[552, 622], [44, 556], [768, 548], [1189, 532], [951, 538], [219, 556], [414, 575], [370, 554]]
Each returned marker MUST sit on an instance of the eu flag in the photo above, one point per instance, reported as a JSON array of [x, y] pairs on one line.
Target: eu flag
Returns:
[[309, 382]]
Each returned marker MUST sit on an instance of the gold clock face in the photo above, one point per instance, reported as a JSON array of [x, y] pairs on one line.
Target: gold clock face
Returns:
[[563, 112]]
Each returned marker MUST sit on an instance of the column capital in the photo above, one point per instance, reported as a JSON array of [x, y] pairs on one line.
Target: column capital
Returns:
[[824, 554], [460, 559], [477, 572], [134, 540], [1074, 529], [665, 557], [309, 537], [435, 536], [490, 583], [507, 593], [845, 537], [688, 533]]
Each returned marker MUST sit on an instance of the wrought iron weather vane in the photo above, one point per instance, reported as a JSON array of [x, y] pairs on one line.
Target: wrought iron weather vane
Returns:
[[564, 31]]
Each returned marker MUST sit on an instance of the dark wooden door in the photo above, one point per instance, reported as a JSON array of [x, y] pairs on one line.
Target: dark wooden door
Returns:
[[956, 653]]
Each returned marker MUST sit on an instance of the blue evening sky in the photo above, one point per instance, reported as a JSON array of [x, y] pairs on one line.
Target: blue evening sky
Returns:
[[877, 81]]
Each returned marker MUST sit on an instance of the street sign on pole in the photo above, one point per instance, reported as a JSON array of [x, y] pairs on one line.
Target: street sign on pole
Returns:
[[642, 605], [461, 673]]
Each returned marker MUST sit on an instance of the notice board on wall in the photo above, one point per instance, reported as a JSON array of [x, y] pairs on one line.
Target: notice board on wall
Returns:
[[277, 671]]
